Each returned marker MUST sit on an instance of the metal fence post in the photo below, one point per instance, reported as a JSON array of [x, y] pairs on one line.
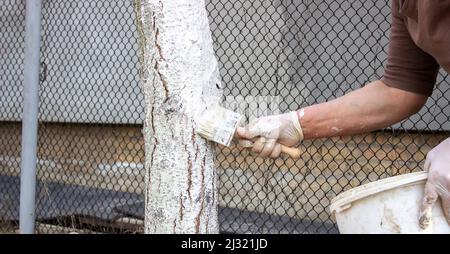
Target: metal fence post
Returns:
[[30, 116]]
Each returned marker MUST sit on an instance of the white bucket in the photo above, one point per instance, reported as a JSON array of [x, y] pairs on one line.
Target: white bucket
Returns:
[[386, 206]]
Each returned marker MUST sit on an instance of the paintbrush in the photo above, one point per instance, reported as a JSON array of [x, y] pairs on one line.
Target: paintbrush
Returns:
[[219, 124]]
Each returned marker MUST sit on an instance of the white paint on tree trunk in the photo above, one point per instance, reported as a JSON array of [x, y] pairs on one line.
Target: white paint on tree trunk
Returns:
[[180, 79]]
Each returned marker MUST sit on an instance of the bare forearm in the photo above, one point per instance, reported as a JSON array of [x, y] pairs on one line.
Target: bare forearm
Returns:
[[369, 108]]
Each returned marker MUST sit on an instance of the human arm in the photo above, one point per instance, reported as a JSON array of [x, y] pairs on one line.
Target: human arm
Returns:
[[369, 108]]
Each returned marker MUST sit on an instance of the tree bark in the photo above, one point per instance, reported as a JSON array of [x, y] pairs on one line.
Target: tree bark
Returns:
[[179, 80]]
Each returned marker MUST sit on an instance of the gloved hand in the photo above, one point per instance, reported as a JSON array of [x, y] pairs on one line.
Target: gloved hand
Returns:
[[438, 185], [271, 131]]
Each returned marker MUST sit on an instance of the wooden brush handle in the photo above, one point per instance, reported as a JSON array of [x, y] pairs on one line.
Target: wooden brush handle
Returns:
[[293, 152]]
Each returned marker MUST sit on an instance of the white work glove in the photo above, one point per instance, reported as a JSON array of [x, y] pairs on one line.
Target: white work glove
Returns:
[[438, 185], [270, 131]]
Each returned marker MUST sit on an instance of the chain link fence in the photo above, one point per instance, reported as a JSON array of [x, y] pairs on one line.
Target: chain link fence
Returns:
[[90, 147]]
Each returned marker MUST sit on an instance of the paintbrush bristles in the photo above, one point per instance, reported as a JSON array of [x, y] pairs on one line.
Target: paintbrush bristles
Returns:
[[218, 124]]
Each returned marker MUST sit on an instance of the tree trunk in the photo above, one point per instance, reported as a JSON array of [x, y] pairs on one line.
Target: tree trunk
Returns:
[[180, 79]]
